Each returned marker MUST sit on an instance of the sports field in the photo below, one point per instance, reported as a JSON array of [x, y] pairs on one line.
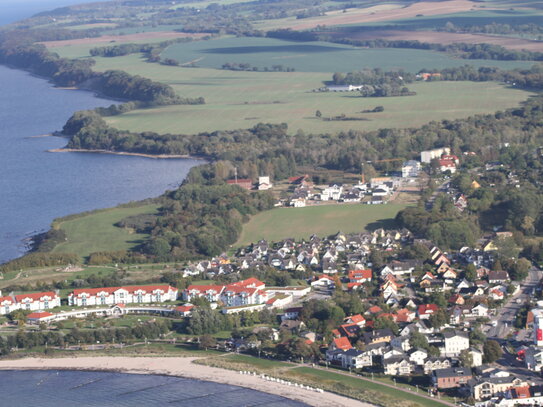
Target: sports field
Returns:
[[323, 220], [96, 232]]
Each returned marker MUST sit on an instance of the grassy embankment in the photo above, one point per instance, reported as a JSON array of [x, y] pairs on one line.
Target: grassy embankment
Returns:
[[321, 220], [351, 386]]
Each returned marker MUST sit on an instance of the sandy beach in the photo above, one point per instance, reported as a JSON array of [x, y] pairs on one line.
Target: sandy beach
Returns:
[[179, 366]]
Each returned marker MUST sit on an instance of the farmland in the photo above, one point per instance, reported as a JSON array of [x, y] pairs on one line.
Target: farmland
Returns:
[[96, 232], [323, 220]]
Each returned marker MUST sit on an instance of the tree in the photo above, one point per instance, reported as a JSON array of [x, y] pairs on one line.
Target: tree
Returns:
[[470, 273], [492, 351], [418, 340], [476, 336], [438, 318], [206, 342], [318, 114], [466, 358]]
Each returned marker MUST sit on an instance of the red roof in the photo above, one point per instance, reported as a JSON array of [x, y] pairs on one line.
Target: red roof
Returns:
[[39, 315], [205, 288], [250, 282], [403, 315], [4, 299], [521, 392], [35, 296], [351, 286], [356, 319], [360, 274], [184, 308], [427, 309], [447, 163], [342, 343], [375, 309], [336, 333]]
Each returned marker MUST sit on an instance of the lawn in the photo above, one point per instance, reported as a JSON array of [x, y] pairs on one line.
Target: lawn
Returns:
[[324, 220], [96, 232], [315, 56]]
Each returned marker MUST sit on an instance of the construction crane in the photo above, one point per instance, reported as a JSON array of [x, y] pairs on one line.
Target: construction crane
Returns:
[[363, 176]]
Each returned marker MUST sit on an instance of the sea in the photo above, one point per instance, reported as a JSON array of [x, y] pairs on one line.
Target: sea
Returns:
[[51, 388], [37, 186]]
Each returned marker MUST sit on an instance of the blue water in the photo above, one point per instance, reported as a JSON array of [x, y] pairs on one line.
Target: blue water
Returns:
[[51, 388], [37, 186], [14, 10]]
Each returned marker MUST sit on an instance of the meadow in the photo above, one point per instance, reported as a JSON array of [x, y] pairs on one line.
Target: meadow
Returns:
[[240, 99], [322, 220], [96, 232]]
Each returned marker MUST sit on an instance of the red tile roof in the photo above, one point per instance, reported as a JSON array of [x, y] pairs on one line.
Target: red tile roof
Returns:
[[39, 315], [35, 296], [342, 343], [427, 309], [375, 309], [6, 299], [360, 274], [184, 308]]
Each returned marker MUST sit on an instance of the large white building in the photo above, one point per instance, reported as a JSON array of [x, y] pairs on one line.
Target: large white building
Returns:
[[246, 292], [29, 302], [429, 155], [122, 295]]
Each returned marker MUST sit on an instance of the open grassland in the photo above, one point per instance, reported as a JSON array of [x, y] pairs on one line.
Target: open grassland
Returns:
[[314, 56], [96, 232], [322, 220], [384, 13]]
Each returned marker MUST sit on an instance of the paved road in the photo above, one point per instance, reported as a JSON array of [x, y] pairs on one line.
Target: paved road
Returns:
[[506, 315]]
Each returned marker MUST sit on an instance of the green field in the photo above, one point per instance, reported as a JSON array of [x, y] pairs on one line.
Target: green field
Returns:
[[316, 56], [96, 232], [323, 220]]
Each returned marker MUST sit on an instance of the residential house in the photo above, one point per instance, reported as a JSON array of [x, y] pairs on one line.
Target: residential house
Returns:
[[357, 359], [451, 378], [435, 363], [498, 277], [342, 343], [455, 342], [378, 336], [398, 366], [424, 311], [122, 295], [360, 276], [410, 169], [7, 305], [487, 387], [427, 156], [209, 292], [418, 356]]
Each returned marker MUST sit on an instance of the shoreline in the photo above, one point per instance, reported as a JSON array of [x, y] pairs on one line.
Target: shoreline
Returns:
[[181, 367], [157, 156]]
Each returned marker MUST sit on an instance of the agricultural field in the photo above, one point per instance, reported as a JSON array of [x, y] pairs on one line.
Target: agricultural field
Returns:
[[322, 220], [96, 232], [315, 56]]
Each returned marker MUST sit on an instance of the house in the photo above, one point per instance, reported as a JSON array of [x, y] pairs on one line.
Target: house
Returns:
[[349, 330], [39, 317], [357, 359], [292, 313], [356, 319], [122, 295], [434, 363], [243, 183], [456, 299], [498, 277], [184, 310], [398, 366], [342, 343], [487, 387], [332, 192], [418, 356], [533, 359], [264, 183], [451, 378], [424, 311], [235, 295], [427, 156], [447, 165], [410, 169], [401, 342], [378, 336], [324, 281], [455, 342], [525, 396], [360, 276], [480, 311], [476, 357], [37, 301]]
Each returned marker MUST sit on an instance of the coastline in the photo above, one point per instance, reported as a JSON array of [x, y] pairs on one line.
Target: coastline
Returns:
[[157, 156], [182, 367]]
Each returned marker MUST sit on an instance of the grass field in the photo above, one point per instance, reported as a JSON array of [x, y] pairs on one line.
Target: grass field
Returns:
[[315, 56], [96, 232], [324, 220]]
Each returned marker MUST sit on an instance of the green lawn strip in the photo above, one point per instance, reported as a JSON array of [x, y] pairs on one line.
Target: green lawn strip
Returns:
[[323, 220], [96, 232], [371, 392]]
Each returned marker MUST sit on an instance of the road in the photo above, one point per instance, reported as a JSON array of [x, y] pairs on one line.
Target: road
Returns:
[[507, 314]]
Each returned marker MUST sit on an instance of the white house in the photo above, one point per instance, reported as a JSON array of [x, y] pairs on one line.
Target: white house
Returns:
[[455, 342], [429, 155], [418, 356], [7, 305], [264, 183], [410, 169], [122, 295], [333, 192]]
